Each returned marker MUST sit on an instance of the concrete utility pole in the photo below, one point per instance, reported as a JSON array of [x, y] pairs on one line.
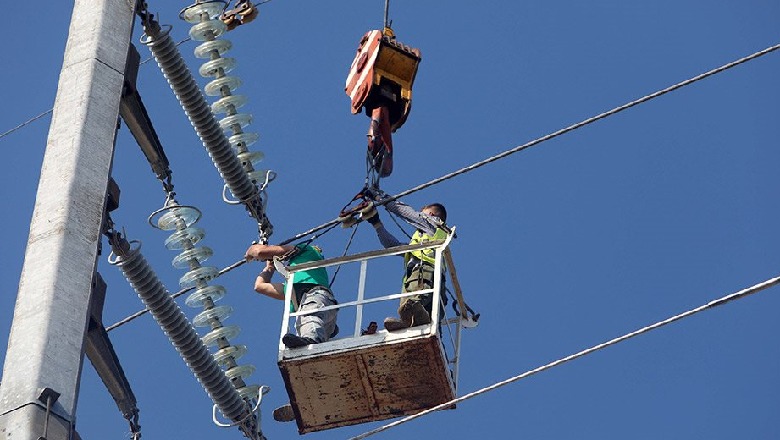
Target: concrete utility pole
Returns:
[[43, 363]]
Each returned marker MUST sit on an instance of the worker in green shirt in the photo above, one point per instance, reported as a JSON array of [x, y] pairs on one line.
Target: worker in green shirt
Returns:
[[310, 288]]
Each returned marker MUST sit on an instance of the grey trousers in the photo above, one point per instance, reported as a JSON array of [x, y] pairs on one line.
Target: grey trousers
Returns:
[[319, 326]]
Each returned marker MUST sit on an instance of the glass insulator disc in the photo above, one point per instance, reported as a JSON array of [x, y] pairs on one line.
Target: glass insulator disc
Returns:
[[203, 30], [234, 101], [240, 119], [178, 215], [234, 351], [211, 67], [200, 254], [214, 88], [203, 273], [241, 371], [249, 392], [178, 239], [220, 46], [203, 319], [192, 14], [251, 157], [227, 332], [246, 138], [199, 297]]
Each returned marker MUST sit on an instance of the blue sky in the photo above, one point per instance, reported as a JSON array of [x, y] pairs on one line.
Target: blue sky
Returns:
[[594, 234]]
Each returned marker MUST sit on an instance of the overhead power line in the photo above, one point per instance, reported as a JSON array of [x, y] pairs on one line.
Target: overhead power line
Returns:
[[558, 133], [25, 123], [734, 296], [504, 154], [174, 296], [49, 111], [590, 120]]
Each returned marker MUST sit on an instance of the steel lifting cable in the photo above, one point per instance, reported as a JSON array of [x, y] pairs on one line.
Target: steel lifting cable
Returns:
[[720, 301], [476, 165]]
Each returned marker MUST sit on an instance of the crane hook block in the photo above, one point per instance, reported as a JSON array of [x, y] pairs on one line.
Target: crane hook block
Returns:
[[381, 75]]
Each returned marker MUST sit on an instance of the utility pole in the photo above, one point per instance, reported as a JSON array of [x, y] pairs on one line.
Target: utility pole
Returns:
[[42, 370]]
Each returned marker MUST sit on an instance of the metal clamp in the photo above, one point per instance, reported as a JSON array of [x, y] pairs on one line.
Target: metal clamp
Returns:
[[47, 396]]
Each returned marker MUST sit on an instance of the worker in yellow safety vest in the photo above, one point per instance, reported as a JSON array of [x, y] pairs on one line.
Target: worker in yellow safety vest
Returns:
[[419, 265]]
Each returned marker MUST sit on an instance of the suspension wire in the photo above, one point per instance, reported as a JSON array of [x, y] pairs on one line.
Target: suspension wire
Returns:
[[519, 148], [346, 249], [175, 45], [587, 121], [173, 296], [395, 220], [554, 134], [220, 273], [23, 124], [734, 296]]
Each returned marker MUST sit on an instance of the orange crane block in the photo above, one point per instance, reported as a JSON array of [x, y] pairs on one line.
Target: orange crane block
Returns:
[[382, 75]]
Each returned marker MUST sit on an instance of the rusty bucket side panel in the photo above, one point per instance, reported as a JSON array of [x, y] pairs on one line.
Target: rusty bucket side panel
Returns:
[[367, 384]]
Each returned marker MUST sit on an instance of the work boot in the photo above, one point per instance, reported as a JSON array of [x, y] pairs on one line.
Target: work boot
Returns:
[[405, 321], [284, 413], [294, 341], [395, 324], [411, 313], [420, 316]]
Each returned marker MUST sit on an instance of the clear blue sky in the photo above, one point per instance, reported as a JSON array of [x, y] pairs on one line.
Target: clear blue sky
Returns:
[[635, 218]]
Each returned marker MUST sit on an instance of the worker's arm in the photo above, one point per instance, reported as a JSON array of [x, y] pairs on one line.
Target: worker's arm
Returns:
[[419, 220], [263, 284], [265, 252], [387, 239]]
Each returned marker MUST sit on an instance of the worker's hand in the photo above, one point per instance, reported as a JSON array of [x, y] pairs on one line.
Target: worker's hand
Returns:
[[370, 214]]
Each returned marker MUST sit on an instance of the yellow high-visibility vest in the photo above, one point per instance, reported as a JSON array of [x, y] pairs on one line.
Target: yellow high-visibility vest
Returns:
[[427, 255]]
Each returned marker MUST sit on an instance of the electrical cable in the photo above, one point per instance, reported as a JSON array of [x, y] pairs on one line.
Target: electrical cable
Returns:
[[731, 297], [555, 134], [173, 296], [346, 249], [24, 124], [35, 118], [537, 141]]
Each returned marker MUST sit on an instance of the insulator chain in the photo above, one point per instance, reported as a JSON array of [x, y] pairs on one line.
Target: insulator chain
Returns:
[[127, 256], [181, 221], [231, 156], [208, 27]]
